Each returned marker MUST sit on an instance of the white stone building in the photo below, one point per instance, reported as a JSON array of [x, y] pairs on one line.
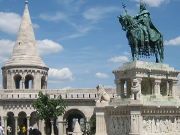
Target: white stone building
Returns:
[[146, 101], [24, 75]]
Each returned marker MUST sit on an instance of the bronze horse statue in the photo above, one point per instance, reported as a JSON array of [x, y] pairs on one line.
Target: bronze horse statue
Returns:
[[136, 37]]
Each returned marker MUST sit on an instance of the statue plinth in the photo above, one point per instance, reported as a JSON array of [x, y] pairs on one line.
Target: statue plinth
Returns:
[[146, 103], [155, 79]]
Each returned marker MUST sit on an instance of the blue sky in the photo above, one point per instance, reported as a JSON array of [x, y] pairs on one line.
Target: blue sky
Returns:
[[81, 41]]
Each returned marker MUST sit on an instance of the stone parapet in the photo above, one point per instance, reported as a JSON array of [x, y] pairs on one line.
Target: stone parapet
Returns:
[[65, 94]]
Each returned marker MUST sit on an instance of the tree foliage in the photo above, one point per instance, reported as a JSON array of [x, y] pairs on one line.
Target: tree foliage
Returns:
[[48, 108], [93, 125]]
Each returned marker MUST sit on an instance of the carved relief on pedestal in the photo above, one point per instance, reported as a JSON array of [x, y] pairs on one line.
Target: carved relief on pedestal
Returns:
[[119, 125], [164, 125]]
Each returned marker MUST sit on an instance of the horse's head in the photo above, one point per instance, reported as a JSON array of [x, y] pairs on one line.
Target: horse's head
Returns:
[[122, 22], [126, 21]]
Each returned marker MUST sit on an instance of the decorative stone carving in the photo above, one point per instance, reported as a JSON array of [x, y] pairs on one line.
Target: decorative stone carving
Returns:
[[135, 88], [103, 97], [119, 124], [164, 125]]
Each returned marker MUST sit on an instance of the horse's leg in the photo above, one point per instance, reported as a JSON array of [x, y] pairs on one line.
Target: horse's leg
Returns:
[[136, 49], [160, 50], [156, 53], [132, 52]]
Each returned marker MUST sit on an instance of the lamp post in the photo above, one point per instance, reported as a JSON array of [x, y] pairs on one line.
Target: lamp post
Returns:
[[52, 127], [85, 127]]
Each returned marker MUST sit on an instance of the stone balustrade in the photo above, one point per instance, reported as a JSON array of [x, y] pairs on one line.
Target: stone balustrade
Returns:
[[65, 94]]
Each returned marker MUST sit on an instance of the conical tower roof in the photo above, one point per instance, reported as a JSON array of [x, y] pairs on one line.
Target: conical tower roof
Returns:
[[25, 49]]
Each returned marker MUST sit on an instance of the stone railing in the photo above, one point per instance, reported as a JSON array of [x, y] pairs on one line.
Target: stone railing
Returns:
[[65, 94]]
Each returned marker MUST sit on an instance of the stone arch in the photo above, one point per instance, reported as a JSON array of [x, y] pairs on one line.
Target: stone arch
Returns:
[[18, 81], [22, 122], [10, 122], [33, 119], [43, 82], [29, 80], [70, 117]]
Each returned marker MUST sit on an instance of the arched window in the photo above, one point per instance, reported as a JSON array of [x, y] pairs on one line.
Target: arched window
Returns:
[[17, 80], [43, 82], [29, 82]]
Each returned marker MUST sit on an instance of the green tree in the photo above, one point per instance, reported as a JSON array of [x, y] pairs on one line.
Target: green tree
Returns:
[[49, 109], [93, 125]]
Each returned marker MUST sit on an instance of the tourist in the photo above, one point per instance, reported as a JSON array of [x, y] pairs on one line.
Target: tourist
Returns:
[[1, 130]]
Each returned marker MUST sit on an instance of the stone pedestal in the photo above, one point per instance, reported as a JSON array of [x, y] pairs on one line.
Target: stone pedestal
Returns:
[[60, 125], [152, 110], [100, 119]]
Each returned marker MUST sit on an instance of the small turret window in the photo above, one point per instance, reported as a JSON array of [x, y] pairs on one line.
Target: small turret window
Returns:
[[18, 81], [29, 82]]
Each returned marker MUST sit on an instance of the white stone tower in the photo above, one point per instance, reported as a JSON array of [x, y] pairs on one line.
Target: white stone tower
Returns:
[[25, 69]]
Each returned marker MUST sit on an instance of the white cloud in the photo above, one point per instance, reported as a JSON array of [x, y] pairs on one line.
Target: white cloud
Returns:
[[74, 5], [101, 75], [47, 46], [154, 3], [174, 42], [9, 22], [81, 31], [6, 49], [36, 26], [63, 74], [119, 59], [56, 17], [67, 87], [97, 13]]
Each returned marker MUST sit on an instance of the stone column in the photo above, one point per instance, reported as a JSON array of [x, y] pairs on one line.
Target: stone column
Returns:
[[16, 124], [64, 128], [156, 87], [28, 124], [122, 82], [128, 88], [52, 127], [120, 88], [23, 83], [42, 127], [100, 122], [37, 80], [171, 88], [9, 80], [5, 125], [140, 92], [135, 128], [60, 125], [46, 82]]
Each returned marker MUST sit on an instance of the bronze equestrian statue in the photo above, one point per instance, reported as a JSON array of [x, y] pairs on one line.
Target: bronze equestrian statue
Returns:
[[144, 39]]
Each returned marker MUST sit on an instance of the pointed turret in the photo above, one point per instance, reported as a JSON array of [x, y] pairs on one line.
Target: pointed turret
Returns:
[[25, 49], [25, 69]]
